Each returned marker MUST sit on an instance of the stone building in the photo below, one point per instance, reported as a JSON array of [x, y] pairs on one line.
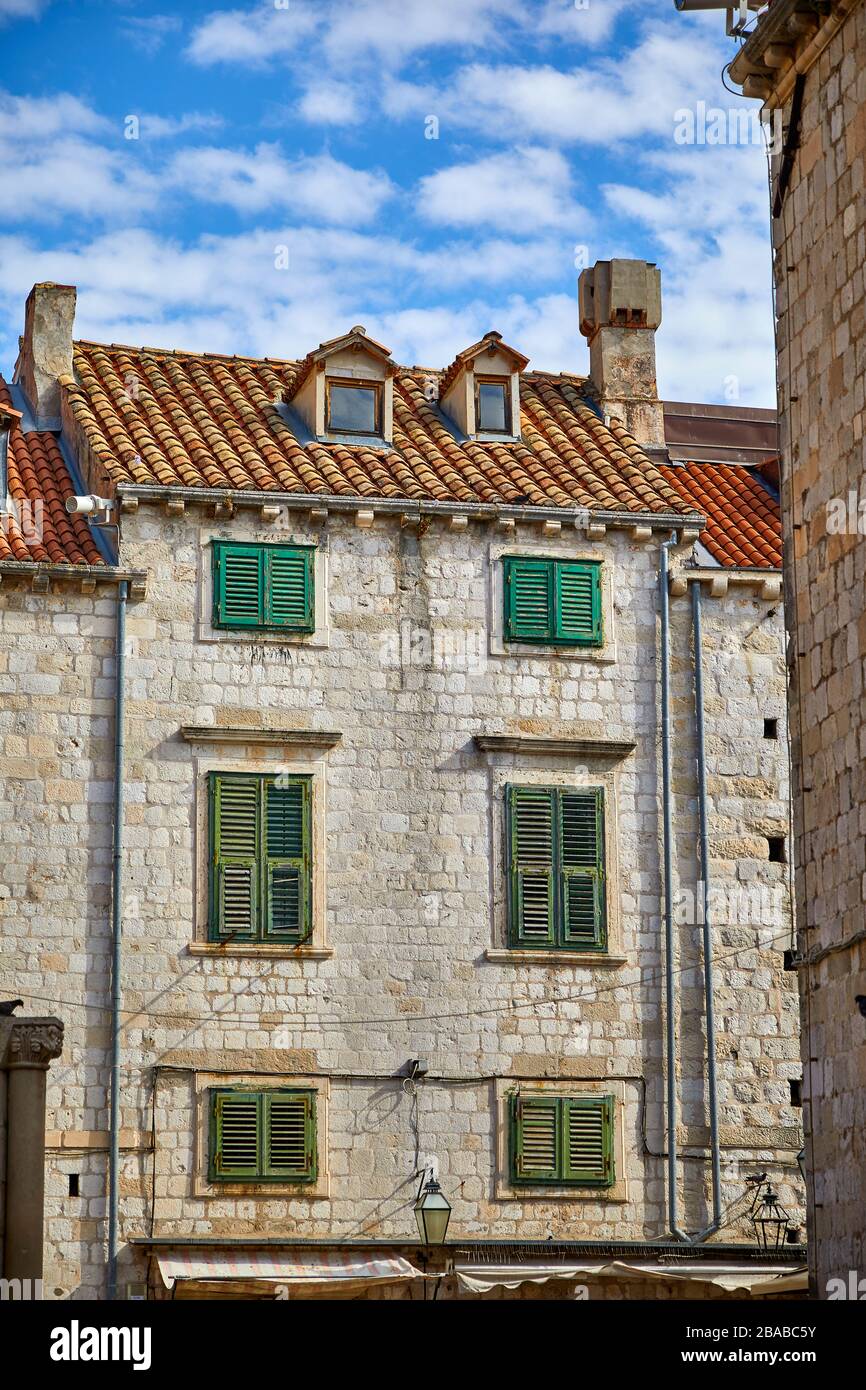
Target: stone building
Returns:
[[808, 64], [398, 862]]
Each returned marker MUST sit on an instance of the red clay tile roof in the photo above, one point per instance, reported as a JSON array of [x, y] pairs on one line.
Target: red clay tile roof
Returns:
[[744, 528], [189, 420], [37, 474]]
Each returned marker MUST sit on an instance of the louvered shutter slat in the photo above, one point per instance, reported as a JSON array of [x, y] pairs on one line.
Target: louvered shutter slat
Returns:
[[237, 1151], [290, 1136], [537, 1148], [588, 1140], [582, 868], [532, 897], [529, 599], [578, 602], [240, 586]]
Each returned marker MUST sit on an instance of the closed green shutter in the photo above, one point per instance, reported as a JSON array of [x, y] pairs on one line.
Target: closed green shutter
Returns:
[[236, 840], [528, 599], [531, 840], [235, 1135], [290, 1129], [588, 1140], [264, 587], [287, 833], [578, 603], [562, 1140], [555, 602], [263, 1136], [556, 873], [261, 857], [581, 822]]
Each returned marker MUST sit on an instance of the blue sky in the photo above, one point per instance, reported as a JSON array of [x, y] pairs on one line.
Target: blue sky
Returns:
[[259, 177]]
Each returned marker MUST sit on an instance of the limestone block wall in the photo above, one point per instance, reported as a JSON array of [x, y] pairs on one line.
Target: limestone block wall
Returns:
[[407, 665], [821, 250]]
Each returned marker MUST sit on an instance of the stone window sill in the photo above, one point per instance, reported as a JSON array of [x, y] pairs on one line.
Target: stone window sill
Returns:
[[263, 949], [582, 958]]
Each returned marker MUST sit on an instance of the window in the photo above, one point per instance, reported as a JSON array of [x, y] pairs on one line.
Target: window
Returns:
[[556, 867], [261, 857], [776, 849], [553, 601], [353, 407], [492, 405], [771, 728], [567, 1140], [263, 587], [262, 1136]]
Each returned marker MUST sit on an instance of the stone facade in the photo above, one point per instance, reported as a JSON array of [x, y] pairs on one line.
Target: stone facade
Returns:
[[408, 957], [820, 245]]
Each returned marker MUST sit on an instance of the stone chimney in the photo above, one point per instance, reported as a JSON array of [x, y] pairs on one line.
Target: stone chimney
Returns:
[[620, 310], [45, 351]]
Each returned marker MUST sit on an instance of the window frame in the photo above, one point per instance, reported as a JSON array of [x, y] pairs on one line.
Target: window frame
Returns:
[[267, 551], [505, 383], [352, 383], [558, 939], [562, 1104], [554, 567], [260, 935], [263, 1097]]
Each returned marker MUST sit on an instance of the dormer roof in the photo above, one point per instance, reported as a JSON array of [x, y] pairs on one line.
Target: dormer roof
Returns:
[[356, 339], [491, 344]]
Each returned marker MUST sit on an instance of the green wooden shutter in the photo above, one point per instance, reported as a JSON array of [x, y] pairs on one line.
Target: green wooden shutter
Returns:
[[290, 1135], [582, 890], [289, 589], [578, 603], [239, 587], [588, 1140], [531, 828], [236, 1135], [288, 860], [529, 599], [235, 840], [536, 1140]]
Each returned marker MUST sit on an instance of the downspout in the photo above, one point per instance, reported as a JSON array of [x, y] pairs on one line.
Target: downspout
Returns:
[[670, 995], [116, 935], [709, 1005]]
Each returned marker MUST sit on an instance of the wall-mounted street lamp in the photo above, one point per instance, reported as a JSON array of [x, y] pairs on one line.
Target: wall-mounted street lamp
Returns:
[[773, 1226], [432, 1210]]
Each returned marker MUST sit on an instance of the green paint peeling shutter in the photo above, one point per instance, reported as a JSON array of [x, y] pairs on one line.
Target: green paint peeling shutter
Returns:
[[261, 857], [531, 840], [262, 1136], [235, 838], [578, 603], [556, 867], [263, 587], [528, 600], [556, 602], [287, 867], [581, 839], [588, 1140], [290, 1127], [563, 1140]]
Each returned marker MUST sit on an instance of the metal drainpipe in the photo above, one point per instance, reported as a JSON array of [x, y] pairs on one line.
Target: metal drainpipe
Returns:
[[716, 1222], [670, 994], [117, 935]]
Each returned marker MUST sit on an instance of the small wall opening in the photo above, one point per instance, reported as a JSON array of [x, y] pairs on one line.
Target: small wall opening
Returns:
[[74, 1184], [776, 849], [771, 728]]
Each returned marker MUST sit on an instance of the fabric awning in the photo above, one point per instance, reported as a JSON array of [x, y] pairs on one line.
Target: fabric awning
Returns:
[[299, 1267], [480, 1278]]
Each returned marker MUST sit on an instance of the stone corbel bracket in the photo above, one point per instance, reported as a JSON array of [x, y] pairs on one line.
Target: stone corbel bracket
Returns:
[[719, 582]]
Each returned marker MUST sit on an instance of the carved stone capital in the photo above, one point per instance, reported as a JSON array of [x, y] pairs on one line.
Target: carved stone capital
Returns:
[[34, 1042]]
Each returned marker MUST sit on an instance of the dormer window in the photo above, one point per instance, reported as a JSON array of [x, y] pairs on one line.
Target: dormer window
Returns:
[[353, 407], [492, 405], [480, 391]]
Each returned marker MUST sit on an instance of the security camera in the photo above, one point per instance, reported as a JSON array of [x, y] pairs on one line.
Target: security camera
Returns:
[[88, 506]]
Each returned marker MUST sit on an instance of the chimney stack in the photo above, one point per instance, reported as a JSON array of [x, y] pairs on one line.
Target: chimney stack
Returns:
[[620, 309], [46, 349]]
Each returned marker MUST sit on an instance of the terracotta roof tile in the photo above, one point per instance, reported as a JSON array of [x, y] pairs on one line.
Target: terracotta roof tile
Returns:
[[744, 527], [199, 420], [37, 475]]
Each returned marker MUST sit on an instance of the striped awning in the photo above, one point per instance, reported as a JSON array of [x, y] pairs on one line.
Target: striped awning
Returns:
[[480, 1278], [298, 1267]]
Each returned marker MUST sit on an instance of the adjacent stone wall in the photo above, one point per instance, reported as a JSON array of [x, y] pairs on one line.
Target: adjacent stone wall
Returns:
[[820, 243], [407, 666]]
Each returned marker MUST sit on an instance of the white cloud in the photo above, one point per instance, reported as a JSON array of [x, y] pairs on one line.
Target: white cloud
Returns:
[[155, 127], [331, 103], [149, 32], [21, 9], [253, 37], [317, 186], [27, 120], [518, 191]]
